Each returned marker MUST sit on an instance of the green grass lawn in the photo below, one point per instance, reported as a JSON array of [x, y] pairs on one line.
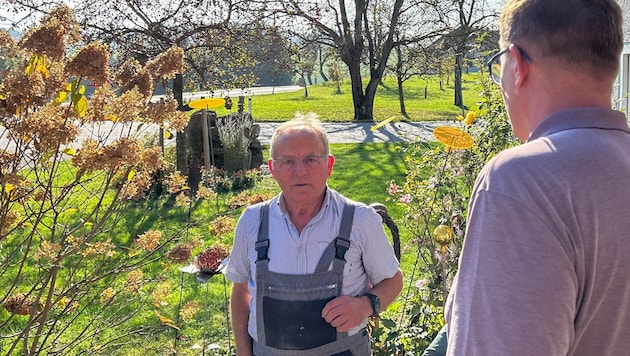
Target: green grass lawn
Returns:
[[332, 107]]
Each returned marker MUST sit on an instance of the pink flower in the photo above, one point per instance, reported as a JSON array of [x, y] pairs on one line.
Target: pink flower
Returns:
[[421, 283], [405, 199], [393, 188]]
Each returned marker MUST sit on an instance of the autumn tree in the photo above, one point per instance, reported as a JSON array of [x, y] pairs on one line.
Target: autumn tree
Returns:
[[361, 33], [468, 20]]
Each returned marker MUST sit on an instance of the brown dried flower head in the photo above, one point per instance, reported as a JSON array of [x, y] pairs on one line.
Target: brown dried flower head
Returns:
[[190, 309], [161, 292], [149, 240], [107, 295], [134, 281], [167, 65], [48, 40], [64, 15], [91, 62], [131, 75], [176, 182], [210, 259], [222, 225], [7, 42], [99, 248], [137, 187], [21, 90], [180, 253], [183, 200], [48, 128], [151, 160], [19, 304], [47, 250]]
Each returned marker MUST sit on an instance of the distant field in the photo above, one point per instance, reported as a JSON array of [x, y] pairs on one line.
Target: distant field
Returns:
[[332, 107]]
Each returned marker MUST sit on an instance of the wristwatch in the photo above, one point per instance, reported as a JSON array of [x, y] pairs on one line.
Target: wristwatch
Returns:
[[376, 303]]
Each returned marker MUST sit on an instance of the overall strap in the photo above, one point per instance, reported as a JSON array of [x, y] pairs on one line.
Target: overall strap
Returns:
[[262, 241], [262, 265], [337, 248]]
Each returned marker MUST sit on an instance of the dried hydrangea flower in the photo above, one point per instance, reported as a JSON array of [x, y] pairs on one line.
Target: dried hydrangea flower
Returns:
[[149, 240], [91, 62], [167, 65], [210, 259], [48, 40]]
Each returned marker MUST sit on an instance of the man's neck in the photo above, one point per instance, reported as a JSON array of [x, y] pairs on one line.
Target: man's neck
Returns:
[[301, 213]]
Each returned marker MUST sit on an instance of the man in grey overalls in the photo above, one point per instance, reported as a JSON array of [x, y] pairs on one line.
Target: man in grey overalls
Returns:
[[309, 266]]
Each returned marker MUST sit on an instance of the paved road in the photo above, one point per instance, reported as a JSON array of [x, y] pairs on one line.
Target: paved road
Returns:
[[361, 132], [337, 132]]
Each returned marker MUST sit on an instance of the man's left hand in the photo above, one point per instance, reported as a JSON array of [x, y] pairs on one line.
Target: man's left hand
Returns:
[[346, 312]]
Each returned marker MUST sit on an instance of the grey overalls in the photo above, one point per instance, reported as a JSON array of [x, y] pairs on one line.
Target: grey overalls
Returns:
[[289, 306]]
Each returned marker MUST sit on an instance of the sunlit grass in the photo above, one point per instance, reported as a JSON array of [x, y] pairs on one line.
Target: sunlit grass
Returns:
[[330, 106]]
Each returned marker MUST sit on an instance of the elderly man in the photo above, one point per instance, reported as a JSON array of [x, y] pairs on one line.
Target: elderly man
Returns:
[[546, 259], [309, 266]]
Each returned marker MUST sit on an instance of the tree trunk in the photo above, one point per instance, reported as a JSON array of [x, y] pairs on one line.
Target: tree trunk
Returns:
[[401, 96], [181, 142], [363, 102], [305, 86], [459, 101], [321, 66]]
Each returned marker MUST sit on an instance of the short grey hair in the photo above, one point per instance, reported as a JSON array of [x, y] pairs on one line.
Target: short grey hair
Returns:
[[307, 122]]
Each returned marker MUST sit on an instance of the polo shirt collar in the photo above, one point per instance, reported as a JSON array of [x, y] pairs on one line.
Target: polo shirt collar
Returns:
[[577, 118]]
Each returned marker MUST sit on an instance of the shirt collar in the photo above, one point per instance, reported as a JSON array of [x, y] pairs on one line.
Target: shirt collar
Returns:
[[576, 118]]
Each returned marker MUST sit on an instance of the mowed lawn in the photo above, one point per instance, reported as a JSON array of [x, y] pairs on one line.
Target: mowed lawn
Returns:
[[331, 106]]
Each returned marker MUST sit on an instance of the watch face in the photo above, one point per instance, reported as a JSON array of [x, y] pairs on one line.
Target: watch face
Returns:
[[376, 304]]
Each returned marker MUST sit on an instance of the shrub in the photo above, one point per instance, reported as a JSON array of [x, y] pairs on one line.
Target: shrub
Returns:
[[435, 196]]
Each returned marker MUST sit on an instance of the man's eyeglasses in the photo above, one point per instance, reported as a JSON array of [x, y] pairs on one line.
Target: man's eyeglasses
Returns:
[[494, 64], [308, 161]]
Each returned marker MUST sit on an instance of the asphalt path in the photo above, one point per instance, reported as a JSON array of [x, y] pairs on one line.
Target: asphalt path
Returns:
[[357, 132], [349, 132]]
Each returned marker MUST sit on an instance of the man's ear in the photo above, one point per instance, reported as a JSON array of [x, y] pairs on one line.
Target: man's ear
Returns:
[[331, 163], [270, 164], [521, 65]]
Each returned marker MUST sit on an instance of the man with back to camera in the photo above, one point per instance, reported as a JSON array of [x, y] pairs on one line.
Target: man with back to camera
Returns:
[[545, 266], [309, 266]]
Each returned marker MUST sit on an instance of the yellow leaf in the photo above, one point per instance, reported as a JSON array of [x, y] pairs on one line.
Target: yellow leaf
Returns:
[[166, 321], [80, 105], [61, 97], [112, 118], [71, 210], [42, 68], [69, 151], [8, 188], [131, 174], [133, 253], [168, 134]]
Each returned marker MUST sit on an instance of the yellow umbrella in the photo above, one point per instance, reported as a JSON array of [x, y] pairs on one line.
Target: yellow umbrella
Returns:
[[453, 137], [206, 103]]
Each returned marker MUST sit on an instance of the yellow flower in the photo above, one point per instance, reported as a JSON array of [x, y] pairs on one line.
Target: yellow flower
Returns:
[[470, 118]]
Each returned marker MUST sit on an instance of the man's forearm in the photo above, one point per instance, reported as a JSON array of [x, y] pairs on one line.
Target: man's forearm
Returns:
[[239, 308]]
